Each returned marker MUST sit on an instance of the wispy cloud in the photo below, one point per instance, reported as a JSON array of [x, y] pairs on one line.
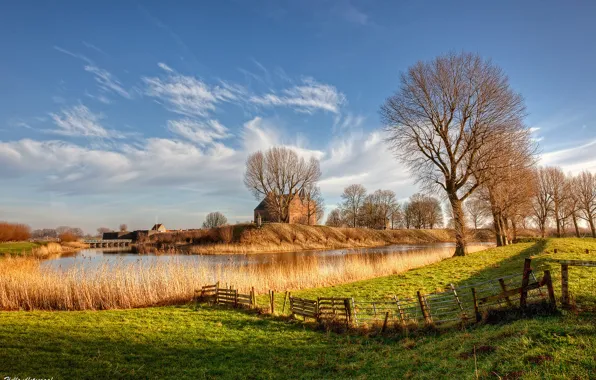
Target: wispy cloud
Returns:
[[199, 132], [188, 95], [308, 97], [352, 14], [79, 121], [107, 82], [93, 47], [74, 55]]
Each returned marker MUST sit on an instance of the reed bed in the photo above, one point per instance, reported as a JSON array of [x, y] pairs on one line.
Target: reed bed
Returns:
[[27, 285]]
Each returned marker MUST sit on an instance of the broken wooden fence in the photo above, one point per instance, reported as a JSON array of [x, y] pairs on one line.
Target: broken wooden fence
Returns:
[[227, 296], [304, 307], [566, 295]]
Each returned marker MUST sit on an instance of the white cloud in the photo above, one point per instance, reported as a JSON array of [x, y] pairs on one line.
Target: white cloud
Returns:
[[80, 121], [574, 160], [188, 95], [200, 132], [107, 82], [165, 67], [307, 97]]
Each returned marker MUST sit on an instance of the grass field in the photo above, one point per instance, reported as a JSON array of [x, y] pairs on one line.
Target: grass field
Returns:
[[209, 342], [15, 248]]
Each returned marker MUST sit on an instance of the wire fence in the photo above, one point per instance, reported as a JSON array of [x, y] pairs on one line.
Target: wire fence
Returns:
[[456, 304]]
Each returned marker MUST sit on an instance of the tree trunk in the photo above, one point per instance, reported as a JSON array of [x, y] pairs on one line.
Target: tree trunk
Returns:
[[557, 219], [575, 224], [514, 227], [459, 225], [497, 225], [591, 221]]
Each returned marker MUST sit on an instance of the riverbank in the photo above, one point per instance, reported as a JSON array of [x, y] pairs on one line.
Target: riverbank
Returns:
[[212, 342], [40, 250], [280, 237]]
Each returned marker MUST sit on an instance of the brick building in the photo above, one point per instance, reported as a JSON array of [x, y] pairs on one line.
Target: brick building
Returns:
[[297, 211]]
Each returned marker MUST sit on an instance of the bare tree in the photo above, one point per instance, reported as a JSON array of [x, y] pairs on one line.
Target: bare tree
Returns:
[[353, 198], [542, 202], [123, 227], [442, 118], [585, 191], [334, 218], [396, 216], [477, 211], [559, 192], [423, 212], [102, 230], [278, 175], [314, 204], [215, 219]]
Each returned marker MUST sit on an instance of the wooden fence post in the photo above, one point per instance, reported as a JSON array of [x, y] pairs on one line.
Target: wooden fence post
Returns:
[[235, 298], [348, 310], [476, 309], [385, 322], [402, 316], [547, 279], [272, 301], [461, 307], [504, 288], [523, 299], [565, 285], [283, 309], [427, 319]]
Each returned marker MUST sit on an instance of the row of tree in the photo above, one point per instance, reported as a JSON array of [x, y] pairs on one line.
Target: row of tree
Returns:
[[538, 198], [381, 210]]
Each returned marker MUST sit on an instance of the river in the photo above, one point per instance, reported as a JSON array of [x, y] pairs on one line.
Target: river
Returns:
[[90, 258]]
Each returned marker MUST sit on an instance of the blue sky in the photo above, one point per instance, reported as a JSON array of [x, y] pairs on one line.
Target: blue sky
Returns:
[[128, 112]]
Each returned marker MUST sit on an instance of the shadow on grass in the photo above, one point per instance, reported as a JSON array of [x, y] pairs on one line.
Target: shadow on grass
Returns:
[[505, 267]]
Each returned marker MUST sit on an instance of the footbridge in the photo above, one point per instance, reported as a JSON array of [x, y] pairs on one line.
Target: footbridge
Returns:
[[111, 243]]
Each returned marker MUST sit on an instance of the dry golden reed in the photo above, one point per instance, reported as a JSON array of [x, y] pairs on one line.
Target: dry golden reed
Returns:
[[27, 285]]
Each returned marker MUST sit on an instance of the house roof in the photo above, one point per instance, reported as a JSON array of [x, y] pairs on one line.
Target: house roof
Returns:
[[263, 205], [157, 227]]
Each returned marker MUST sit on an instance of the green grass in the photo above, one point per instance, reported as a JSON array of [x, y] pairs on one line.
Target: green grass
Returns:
[[210, 342], [17, 248]]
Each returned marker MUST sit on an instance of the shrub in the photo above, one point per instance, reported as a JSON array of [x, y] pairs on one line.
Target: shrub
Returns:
[[67, 237], [226, 234], [14, 232]]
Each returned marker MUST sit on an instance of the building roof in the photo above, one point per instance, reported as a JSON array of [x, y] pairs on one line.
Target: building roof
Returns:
[[157, 227], [263, 205]]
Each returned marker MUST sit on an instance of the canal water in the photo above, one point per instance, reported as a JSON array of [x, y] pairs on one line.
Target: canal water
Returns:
[[90, 258]]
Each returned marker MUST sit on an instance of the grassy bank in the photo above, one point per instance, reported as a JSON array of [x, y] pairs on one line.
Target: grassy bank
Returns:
[[280, 237], [209, 342], [37, 250]]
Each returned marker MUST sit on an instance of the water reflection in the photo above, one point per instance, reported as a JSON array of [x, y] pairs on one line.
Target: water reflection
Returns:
[[94, 258]]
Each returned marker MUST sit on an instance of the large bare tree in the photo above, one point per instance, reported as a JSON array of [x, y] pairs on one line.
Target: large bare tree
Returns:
[[278, 175], [441, 119]]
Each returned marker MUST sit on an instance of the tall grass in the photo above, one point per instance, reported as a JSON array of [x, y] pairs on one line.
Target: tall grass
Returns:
[[27, 285]]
